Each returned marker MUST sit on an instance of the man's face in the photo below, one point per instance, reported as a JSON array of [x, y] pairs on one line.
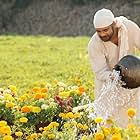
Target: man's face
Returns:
[[105, 33]]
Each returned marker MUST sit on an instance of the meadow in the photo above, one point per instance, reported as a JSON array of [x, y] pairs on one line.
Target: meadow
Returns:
[[28, 60]]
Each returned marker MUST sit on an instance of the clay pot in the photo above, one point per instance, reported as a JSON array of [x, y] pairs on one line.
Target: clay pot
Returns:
[[129, 67]]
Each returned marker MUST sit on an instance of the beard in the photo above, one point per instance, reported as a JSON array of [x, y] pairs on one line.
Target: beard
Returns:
[[107, 37]]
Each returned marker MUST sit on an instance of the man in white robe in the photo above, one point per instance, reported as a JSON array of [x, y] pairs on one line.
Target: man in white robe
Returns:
[[114, 38]]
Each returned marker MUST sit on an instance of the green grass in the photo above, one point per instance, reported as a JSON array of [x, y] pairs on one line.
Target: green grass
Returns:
[[26, 60]]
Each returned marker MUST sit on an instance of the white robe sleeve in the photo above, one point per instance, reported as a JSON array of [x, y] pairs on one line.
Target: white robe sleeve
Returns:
[[98, 61]]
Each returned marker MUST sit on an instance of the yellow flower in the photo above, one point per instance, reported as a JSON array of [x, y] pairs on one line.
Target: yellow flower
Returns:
[[116, 137], [66, 125], [138, 130], [3, 123], [13, 88], [7, 137], [63, 115], [84, 137], [36, 89], [54, 124], [47, 128], [51, 136], [28, 138], [85, 127], [131, 112], [5, 130], [39, 135], [79, 125], [8, 97], [74, 123], [23, 120], [99, 136], [98, 119], [33, 136], [70, 115], [106, 131], [36, 109], [44, 95], [64, 94], [9, 105], [116, 130], [20, 99], [19, 133], [131, 126], [77, 115], [23, 97]]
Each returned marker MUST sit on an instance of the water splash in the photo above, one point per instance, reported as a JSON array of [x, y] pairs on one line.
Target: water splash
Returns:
[[106, 103], [111, 97]]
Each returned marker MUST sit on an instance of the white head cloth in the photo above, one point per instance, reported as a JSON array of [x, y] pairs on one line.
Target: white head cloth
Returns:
[[123, 34], [103, 18]]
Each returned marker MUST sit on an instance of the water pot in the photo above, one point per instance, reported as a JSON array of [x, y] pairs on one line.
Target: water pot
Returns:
[[129, 67]]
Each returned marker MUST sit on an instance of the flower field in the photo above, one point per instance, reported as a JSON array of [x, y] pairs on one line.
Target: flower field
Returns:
[[45, 82]]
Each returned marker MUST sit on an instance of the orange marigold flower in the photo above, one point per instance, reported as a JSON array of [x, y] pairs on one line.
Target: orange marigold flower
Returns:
[[38, 96], [36, 89], [131, 112], [106, 131], [26, 109], [81, 89], [99, 136], [44, 90]]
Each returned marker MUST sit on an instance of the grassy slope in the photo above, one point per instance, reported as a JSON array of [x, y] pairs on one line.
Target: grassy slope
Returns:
[[29, 59]]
